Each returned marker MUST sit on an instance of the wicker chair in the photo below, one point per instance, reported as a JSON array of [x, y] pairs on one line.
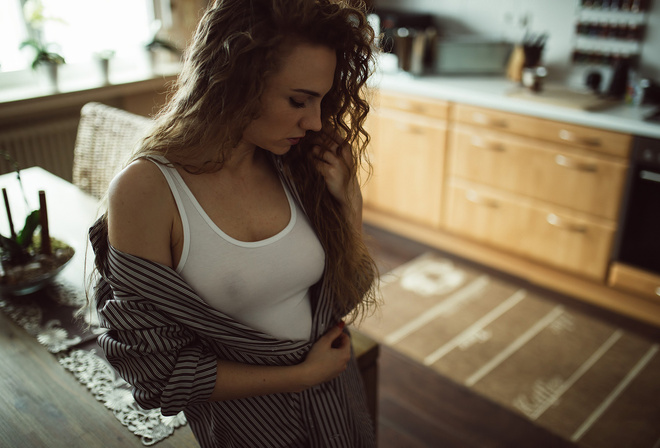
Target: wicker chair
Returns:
[[106, 137]]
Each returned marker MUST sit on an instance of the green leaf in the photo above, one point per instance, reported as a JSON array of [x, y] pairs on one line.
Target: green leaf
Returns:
[[24, 238], [32, 43], [42, 54]]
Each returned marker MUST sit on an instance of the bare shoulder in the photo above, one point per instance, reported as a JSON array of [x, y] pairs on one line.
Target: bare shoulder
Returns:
[[141, 212]]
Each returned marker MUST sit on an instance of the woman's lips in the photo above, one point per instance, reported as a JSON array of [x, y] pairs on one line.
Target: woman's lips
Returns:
[[294, 141]]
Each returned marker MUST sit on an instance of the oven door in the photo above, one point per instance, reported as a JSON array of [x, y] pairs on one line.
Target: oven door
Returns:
[[638, 242]]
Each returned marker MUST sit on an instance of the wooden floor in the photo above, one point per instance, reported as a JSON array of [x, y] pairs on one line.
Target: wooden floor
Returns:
[[42, 405], [419, 408]]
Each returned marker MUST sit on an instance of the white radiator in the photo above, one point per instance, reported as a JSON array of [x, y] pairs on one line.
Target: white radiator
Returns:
[[48, 145]]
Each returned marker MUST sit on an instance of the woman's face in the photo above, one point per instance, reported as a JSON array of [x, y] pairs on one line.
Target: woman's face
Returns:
[[291, 102]]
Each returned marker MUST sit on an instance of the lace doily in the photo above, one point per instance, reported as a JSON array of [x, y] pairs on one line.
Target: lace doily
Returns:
[[51, 316], [102, 381]]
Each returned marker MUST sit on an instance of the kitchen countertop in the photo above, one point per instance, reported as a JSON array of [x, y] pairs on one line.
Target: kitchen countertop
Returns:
[[491, 92], [484, 91]]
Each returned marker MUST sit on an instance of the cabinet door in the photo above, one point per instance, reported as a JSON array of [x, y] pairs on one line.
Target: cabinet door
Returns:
[[570, 242], [487, 217], [408, 157], [560, 175]]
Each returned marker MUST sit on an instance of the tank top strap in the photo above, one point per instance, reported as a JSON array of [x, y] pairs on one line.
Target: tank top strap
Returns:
[[171, 175]]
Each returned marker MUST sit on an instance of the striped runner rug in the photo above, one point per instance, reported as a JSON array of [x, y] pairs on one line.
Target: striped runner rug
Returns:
[[577, 376]]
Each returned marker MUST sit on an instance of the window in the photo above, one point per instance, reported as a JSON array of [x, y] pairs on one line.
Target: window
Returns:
[[12, 32], [77, 29]]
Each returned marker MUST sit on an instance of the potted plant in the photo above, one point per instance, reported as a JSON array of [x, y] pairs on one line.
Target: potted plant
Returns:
[[36, 17], [42, 54], [103, 57], [28, 260], [50, 60]]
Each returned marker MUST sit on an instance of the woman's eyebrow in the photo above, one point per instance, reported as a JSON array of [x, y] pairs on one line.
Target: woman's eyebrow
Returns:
[[308, 92]]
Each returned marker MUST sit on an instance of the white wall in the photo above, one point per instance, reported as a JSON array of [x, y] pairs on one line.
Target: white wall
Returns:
[[505, 19]]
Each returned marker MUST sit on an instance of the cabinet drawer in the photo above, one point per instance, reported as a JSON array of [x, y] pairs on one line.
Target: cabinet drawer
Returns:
[[563, 176], [606, 142], [414, 104], [488, 218], [554, 236], [637, 281], [570, 242]]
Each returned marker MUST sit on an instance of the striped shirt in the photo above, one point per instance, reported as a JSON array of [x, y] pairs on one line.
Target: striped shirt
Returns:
[[165, 341]]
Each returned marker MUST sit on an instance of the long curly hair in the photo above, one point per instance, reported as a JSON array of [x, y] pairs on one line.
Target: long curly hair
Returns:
[[240, 43]]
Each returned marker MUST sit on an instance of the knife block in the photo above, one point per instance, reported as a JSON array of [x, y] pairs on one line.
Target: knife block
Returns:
[[516, 64]]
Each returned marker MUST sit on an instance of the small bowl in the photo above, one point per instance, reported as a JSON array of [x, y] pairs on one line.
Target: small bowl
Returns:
[[34, 284]]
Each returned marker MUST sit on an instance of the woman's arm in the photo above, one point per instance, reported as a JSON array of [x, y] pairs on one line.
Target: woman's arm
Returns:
[[141, 213], [326, 360]]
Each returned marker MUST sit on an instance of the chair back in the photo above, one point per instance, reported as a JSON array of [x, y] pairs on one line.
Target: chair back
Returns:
[[106, 137]]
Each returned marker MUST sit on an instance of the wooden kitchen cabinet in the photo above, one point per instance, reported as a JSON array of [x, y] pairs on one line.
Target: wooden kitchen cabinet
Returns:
[[562, 175], [531, 197], [562, 199], [408, 155]]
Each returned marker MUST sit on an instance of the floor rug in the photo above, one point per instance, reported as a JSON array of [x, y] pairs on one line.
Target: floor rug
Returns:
[[579, 377]]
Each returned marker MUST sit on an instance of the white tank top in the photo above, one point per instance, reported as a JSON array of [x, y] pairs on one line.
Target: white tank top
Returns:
[[263, 284]]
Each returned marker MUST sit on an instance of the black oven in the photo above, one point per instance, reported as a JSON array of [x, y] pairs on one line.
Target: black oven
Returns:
[[638, 238]]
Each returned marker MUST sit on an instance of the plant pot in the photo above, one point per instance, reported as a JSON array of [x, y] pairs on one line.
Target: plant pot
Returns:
[[51, 73], [104, 67]]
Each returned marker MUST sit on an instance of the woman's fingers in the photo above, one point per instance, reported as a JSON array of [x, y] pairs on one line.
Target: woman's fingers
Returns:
[[341, 342], [334, 332]]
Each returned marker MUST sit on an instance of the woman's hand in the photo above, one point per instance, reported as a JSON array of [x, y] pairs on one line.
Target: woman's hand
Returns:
[[328, 357], [326, 360], [337, 169]]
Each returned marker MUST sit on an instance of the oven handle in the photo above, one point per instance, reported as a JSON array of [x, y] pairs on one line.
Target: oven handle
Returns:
[[649, 175]]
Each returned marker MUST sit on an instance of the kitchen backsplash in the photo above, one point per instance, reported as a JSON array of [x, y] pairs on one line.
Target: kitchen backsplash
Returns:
[[509, 19]]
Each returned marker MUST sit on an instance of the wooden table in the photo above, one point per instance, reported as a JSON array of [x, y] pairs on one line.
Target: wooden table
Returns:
[[42, 404]]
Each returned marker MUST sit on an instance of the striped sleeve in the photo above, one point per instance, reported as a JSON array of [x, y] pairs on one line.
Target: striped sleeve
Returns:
[[167, 365]]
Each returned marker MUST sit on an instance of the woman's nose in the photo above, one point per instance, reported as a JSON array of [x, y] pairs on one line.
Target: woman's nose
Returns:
[[312, 120]]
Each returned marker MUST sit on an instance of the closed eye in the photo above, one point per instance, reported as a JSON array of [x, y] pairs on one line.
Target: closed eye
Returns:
[[296, 104]]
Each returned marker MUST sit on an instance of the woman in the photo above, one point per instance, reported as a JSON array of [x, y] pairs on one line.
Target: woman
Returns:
[[231, 250]]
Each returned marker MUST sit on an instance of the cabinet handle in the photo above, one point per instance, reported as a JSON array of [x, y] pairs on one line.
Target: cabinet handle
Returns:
[[478, 142], [556, 221], [569, 136], [486, 120], [405, 127], [567, 162], [407, 105], [476, 198]]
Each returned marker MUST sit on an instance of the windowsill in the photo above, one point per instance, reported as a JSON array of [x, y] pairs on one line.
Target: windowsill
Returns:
[[28, 92]]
